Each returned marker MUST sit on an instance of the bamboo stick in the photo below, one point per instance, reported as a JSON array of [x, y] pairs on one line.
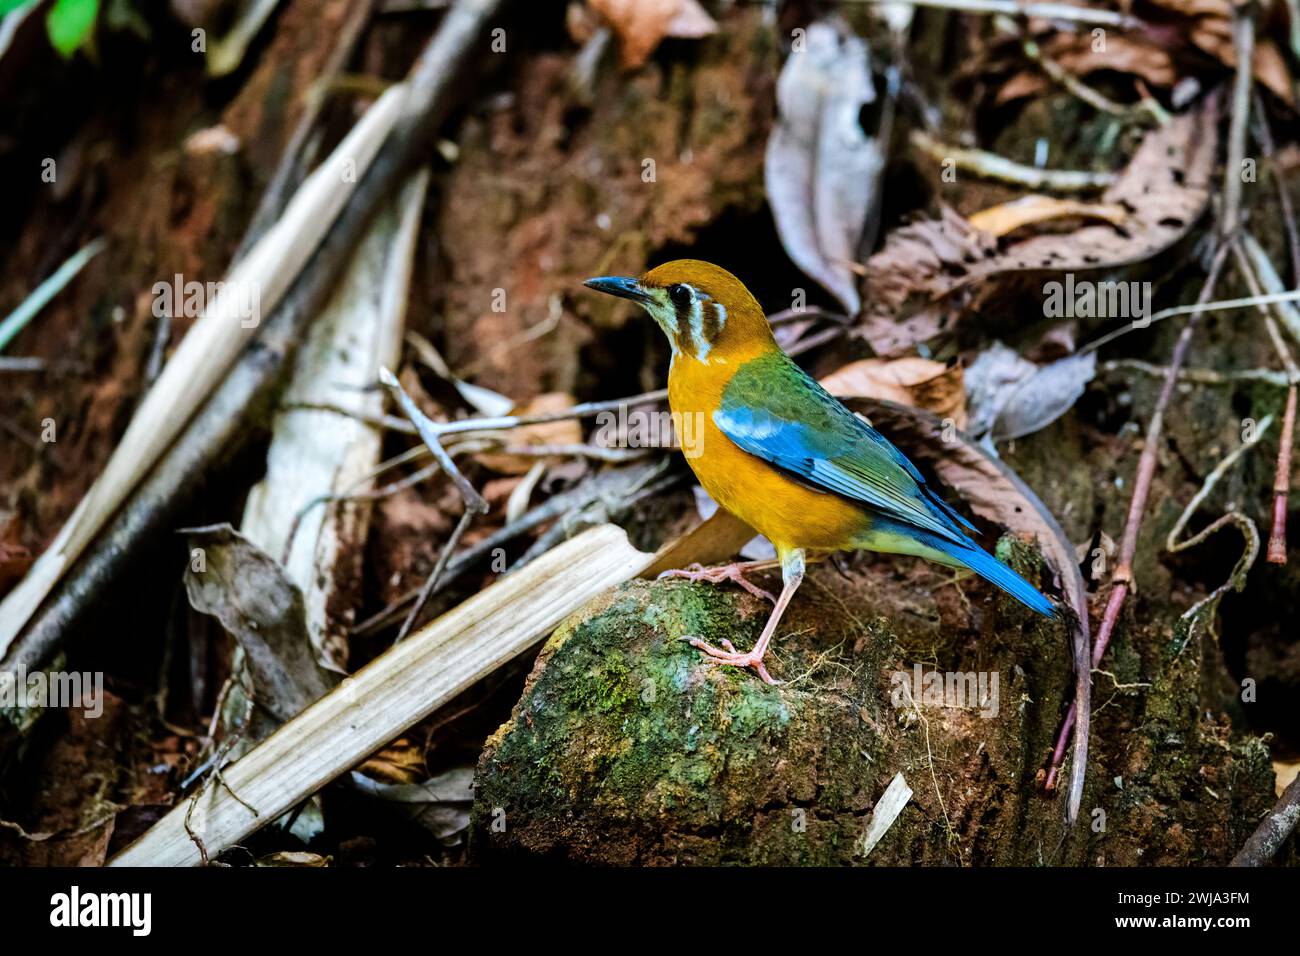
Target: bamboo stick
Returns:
[[207, 351]]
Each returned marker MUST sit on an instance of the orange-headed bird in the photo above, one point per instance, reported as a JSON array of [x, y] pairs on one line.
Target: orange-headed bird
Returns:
[[783, 455]]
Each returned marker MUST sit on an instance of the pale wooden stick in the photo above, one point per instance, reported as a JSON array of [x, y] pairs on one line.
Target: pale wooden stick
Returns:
[[315, 453], [207, 351]]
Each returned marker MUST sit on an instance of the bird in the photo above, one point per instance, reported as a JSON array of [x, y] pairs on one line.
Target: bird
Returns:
[[783, 455]]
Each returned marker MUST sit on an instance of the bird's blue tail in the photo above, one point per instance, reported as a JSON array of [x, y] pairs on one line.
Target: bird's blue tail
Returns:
[[995, 572], [958, 551]]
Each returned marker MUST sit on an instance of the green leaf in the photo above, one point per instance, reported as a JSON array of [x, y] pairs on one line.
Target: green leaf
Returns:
[[70, 24], [9, 6]]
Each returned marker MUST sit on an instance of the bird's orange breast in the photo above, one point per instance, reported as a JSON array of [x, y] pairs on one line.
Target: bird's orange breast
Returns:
[[786, 512]]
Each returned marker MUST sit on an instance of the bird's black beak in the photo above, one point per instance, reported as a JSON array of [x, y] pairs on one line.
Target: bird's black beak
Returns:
[[625, 287]]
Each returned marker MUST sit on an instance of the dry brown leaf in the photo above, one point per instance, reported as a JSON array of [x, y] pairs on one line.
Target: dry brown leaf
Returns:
[[564, 432], [293, 858], [1204, 24], [248, 592], [1268, 66], [400, 762], [642, 25], [820, 169], [1075, 54], [921, 383], [15, 559], [1218, 9], [929, 273], [1007, 217], [1011, 397], [1285, 773]]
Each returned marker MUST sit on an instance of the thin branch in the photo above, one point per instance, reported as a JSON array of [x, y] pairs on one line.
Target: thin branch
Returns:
[[1282, 482], [443, 557], [1282, 474], [1273, 831], [1199, 376], [431, 433], [992, 166], [1146, 469], [17, 320], [1265, 137], [1059, 74], [1013, 8], [1223, 305], [1243, 39], [611, 485], [22, 364]]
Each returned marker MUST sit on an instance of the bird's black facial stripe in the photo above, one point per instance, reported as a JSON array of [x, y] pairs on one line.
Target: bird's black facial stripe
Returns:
[[684, 304]]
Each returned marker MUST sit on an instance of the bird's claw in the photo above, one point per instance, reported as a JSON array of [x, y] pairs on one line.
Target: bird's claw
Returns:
[[726, 572], [730, 657]]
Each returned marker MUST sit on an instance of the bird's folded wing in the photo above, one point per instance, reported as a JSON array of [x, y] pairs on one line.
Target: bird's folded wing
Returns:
[[777, 413]]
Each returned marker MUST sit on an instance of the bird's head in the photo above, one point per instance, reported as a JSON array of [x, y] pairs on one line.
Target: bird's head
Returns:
[[706, 312]]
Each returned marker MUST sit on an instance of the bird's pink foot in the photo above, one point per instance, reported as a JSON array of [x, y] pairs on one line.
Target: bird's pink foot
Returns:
[[730, 657], [726, 572]]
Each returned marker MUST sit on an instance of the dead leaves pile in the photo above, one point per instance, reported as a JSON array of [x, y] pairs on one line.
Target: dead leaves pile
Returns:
[[918, 382], [930, 272], [1179, 37]]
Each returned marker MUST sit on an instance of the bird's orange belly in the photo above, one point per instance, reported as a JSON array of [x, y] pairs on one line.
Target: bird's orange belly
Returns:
[[787, 513]]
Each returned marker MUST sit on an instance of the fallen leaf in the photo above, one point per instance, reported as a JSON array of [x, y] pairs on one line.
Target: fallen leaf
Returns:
[[641, 25], [399, 762], [567, 431], [1285, 773], [1007, 217], [440, 804], [1078, 55], [15, 559], [293, 858], [885, 812], [248, 592], [1152, 54], [1011, 397], [821, 169], [921, 383], [929, 273], [1210, 30]]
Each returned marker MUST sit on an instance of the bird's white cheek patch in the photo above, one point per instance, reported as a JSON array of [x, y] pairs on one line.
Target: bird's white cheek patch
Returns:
[[702, 346]]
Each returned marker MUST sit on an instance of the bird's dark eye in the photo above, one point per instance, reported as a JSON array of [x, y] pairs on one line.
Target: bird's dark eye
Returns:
[[680, 294]]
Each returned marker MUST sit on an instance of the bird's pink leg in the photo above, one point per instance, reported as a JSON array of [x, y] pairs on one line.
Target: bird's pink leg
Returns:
[[729, 656], [735, 571]]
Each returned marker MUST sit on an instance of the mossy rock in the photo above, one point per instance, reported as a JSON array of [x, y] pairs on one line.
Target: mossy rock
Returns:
[[627, 748]]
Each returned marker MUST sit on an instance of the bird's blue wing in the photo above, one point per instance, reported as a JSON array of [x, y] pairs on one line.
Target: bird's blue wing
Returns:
[[772, 409]]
